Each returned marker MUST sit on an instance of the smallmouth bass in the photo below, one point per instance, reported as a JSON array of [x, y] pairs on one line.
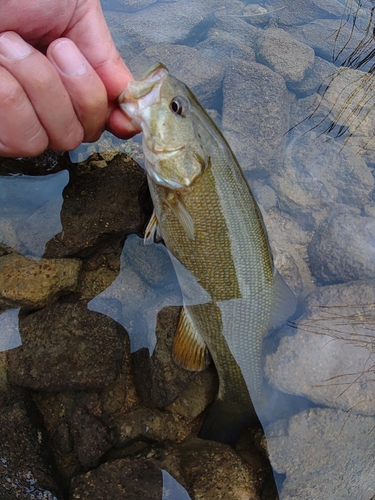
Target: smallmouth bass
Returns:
[[210, 223]]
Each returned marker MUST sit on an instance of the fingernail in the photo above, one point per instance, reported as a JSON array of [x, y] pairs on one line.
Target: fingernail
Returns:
[[68, 58], [13, 47]]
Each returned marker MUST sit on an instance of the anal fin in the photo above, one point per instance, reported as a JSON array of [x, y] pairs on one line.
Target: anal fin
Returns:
[[189, 348]]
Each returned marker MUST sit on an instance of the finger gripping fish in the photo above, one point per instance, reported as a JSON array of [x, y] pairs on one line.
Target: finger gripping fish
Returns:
[[210, 223]]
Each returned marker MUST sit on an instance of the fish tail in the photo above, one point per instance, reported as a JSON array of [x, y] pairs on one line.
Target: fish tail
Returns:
[[225, 422]]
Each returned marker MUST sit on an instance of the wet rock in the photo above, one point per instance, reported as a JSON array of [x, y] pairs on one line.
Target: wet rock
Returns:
[[27, 283], [26, 467], [215, 471], [185, 63], [290, 13], [92, 438], [150, 262], [66, 346], [289, 241], [150, 424], [255, 116], [3, 372], [331, 39], [135, 478], [225, 46], [292, 59], [100, 204], [308, 190], [158, 378], [200, 392], [190, 19], [317, 79], [127, 5], [324, 454], [48, 162], [327, 356], [342, 248], [350, 100]]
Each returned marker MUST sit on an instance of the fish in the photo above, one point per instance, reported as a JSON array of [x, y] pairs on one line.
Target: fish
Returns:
[[209, 220]]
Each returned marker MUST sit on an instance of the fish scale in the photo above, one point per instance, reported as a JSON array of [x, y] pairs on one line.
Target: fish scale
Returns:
[[214, 231]]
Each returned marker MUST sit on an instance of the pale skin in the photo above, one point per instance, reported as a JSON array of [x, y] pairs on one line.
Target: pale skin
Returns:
[[60, 76]]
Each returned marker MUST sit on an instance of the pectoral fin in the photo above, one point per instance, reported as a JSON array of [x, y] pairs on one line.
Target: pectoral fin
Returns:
[[189, 348], [182, 213]]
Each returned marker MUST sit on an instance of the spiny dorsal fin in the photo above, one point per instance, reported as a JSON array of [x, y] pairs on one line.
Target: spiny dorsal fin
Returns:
[[189, 349], [182, 213]]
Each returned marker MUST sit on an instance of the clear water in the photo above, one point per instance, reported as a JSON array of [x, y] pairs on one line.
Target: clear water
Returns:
[[311, 170]]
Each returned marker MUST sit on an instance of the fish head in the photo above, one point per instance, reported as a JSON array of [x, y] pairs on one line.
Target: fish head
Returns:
[[176, 141]]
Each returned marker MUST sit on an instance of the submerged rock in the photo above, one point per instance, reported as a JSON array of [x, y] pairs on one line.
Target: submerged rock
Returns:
[[343, 249], [185, 63], [324, 454], [26, 466], [256, 107], [292, 59], [308, 190], [27, 283], [327, 355], [67, 347]]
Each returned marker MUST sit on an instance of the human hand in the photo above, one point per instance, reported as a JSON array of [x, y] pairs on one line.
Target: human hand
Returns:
[[60, 76]]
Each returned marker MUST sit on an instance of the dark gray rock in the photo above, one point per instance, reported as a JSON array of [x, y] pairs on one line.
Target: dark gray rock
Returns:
[[142, 477], [327, 355], [324, 454], [185, 63], [215, 471], [342, 248], [285, 55], [158, 379], [26, 467], [308, 189], [100, 204], [255, 116], [66, 346]]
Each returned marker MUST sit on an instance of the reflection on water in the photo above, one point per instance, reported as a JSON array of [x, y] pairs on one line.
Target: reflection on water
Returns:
[[315, 187]]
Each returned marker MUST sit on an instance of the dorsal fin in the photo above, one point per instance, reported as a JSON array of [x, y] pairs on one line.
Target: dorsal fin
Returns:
[[189, 348], [284, 303]]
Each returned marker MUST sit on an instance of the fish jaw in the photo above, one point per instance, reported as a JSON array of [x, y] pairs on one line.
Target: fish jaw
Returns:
[[173, 160]]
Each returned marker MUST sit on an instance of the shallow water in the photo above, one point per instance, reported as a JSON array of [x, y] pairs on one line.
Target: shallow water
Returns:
[[291, 86]]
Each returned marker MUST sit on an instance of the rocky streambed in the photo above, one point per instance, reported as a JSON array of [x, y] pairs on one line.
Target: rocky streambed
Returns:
[[86, 412]]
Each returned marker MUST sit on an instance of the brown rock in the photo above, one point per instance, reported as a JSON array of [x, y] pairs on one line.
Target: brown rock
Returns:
[[65, 347], [27, 283]]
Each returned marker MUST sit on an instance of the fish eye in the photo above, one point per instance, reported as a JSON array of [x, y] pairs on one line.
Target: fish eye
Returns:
[[178, 105]]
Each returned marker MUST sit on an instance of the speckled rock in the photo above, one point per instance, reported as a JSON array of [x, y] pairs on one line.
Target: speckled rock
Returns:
[[327, 355], [342, 248], [216, 472], [158, 379], [308, 190], [27, 283], [150, 424], [66, 346], [350, 100], [255, 116], [292, 59], [26, 469], [185, 63], [140, 477], [324, 454], [100, 204]]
